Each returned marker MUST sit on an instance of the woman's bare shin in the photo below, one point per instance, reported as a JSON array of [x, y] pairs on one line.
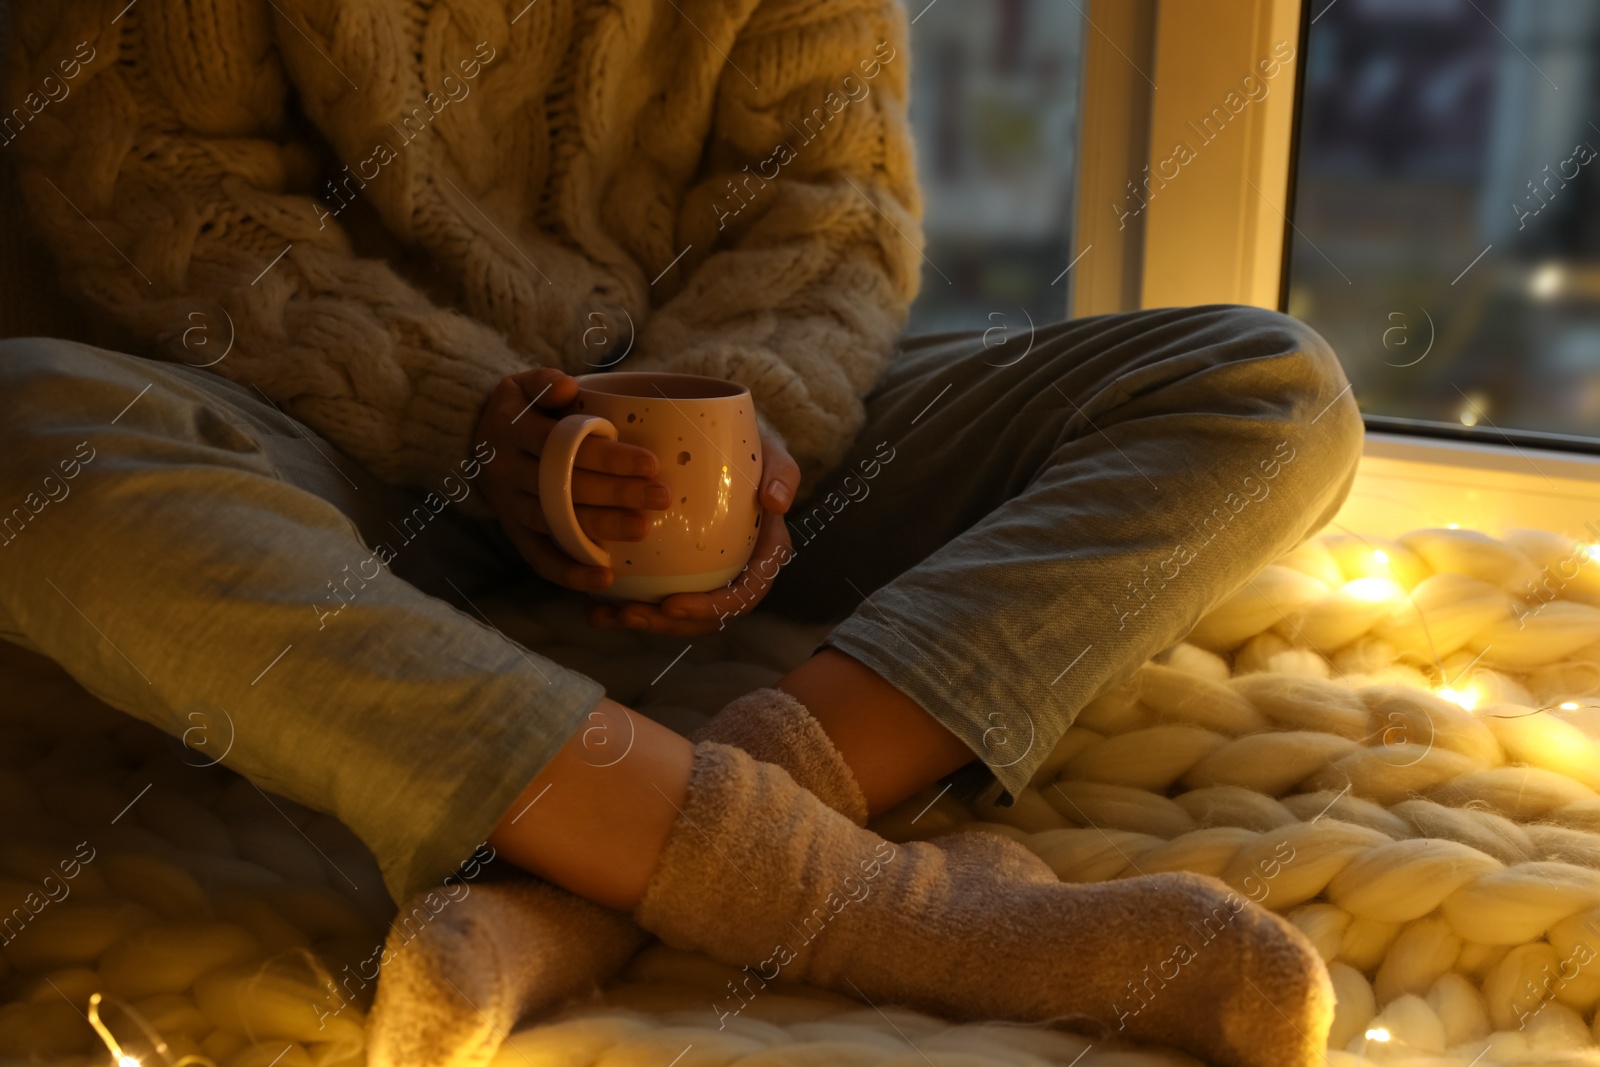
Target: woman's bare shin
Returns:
[[595, 819]]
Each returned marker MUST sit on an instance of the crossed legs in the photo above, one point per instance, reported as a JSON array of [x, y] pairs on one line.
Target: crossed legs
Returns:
[[995, 548], [1012, 534]]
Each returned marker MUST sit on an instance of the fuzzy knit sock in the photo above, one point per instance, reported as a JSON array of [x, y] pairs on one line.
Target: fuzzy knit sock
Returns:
[[759, 874], [774, 727], [507, 951], [451, 995]]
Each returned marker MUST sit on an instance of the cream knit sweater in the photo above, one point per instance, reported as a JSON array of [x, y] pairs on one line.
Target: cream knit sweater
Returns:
[[379, 208]]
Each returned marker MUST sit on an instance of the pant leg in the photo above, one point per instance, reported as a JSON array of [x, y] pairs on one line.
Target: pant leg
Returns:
[[170, 542], [448, 554], [1020, 525]]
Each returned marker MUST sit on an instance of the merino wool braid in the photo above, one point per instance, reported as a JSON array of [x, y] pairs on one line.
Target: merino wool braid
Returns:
[[1444, 860], [1445, 863], [570, 202]]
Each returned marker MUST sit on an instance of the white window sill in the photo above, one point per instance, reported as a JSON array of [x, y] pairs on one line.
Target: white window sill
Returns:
[[1406, 482]]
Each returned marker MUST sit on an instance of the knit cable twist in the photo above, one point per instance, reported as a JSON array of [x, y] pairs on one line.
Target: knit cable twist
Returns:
[[1446, 861], [1457, 906], [552, 170]]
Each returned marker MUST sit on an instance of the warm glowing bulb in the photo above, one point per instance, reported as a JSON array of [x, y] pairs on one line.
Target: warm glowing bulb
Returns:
[[1453, 526], [1469, 418], [1546, 282], [1373, 590], [1380, 555], [1468, 698], [1594, 553], [1569, 705], [127, 1061], [1377, 1033]]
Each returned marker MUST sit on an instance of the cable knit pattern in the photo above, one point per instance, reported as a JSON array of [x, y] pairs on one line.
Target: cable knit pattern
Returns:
[[564, 183], [1444, 862]]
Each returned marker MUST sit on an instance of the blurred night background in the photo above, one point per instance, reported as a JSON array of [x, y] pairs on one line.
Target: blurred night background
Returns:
[[994, 109], [1446, 241], [1434, 132]]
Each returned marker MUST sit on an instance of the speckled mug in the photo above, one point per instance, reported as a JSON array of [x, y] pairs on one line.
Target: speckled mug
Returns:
[[703, 430]]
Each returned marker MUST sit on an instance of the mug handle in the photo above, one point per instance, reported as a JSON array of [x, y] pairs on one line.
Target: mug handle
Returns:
[[555, 485]]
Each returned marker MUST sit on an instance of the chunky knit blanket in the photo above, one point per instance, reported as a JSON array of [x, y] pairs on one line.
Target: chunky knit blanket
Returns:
[[1394, 743]]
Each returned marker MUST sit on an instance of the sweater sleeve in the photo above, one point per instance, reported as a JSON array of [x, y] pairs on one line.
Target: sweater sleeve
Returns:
[[804, 226], [167, 178]]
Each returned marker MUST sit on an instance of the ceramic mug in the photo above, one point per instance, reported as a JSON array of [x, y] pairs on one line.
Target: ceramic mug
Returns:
[[703, 431]]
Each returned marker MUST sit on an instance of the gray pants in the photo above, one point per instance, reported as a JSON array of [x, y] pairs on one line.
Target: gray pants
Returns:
[[1018, 526]]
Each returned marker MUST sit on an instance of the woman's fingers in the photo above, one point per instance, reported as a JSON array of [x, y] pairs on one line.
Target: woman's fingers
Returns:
[[612, 524], [548, 387], [511, 473], [524, 400], [692, 614], [605, 456], [773, 549], [780, 475], [647, 617], [600, 455], [598, 524], [628, 521], [554, 565], [610, 491]]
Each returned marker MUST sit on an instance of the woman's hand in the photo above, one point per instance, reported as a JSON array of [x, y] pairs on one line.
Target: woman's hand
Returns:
[[693, 614], [613, 484]]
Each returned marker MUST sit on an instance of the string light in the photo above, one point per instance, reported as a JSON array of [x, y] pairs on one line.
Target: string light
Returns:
[[119, 1056], [1467, 698], [1373, 590], [122, 1059], [1379, 590], [1378, 1033]]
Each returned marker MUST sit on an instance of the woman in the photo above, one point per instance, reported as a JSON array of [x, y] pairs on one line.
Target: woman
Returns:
[[370, 243]]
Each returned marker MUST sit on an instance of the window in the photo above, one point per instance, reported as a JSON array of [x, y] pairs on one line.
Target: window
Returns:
[[1415, 127], [994, 110], [1447, 230]]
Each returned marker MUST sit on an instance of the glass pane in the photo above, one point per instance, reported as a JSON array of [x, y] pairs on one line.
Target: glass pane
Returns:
[[1448, 238], [994, 110]]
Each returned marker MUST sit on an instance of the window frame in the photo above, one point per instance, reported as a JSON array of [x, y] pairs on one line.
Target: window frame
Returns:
[[1232, 198], [1413, 473]]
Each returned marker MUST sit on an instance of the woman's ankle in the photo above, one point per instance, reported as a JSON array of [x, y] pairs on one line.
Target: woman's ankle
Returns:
[[595, 819], [893, 746]]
